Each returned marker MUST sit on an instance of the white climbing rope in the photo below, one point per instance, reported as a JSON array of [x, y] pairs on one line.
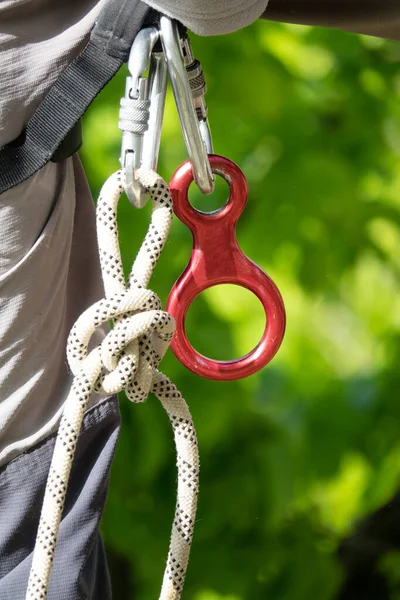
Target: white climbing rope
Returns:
[[127, 359]]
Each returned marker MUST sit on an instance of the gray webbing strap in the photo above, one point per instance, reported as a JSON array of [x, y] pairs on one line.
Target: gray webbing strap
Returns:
[[108, 48]]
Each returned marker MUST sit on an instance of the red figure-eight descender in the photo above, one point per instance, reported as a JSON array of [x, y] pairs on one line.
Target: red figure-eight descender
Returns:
[[217, 259]]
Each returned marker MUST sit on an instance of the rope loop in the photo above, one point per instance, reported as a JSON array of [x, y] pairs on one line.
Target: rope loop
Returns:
[[127, 358]]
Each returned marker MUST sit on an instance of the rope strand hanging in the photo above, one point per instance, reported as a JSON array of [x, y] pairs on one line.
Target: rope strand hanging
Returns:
[[127, 359]]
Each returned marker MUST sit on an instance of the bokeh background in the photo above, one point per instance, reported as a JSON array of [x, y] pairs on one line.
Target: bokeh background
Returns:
[[301, 462]]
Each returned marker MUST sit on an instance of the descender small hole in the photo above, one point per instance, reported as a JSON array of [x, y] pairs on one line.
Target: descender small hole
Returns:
[[209, 203]]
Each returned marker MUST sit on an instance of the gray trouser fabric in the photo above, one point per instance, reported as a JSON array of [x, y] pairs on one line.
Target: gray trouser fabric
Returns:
[[49, 273], [80, 570]]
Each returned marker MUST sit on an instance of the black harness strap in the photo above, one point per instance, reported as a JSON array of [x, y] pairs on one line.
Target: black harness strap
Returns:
[[59, 113]]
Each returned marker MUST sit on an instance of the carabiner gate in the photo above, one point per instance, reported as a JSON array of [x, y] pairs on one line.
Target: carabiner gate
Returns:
[[197, 139]]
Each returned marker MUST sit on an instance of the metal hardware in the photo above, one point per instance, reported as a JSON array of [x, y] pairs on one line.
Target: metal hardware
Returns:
[[158, 84], [195, 145], [142, 111], [142, 108], [198, 89], [216, 259]]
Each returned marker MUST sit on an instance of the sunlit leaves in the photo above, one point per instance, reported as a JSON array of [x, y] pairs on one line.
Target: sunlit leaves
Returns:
[[293, 457]]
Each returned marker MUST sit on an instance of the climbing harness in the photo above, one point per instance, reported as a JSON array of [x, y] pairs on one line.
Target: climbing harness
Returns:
[[54, 126], [128, 357]]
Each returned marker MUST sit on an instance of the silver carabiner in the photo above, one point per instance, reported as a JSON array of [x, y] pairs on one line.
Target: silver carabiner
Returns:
[[142, 108], [197, 147], [142, 111], [157, 79]]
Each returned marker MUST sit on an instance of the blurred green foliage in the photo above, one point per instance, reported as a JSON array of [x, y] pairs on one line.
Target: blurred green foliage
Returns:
[[293, 457]]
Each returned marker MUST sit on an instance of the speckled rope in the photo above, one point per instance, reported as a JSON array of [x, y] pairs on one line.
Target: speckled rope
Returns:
[[127, 359]]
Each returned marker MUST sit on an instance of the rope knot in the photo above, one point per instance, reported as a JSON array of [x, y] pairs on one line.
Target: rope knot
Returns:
[[131, 352]]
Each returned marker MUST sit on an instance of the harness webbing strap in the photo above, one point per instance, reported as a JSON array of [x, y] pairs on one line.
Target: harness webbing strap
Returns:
[[108, 47]]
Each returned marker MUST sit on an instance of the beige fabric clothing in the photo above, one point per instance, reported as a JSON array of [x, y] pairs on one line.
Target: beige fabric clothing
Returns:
[[38, 38], [48, 259], [48, 274]]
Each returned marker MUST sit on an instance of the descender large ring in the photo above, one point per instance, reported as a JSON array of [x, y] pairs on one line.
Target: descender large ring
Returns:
[[217, 259]]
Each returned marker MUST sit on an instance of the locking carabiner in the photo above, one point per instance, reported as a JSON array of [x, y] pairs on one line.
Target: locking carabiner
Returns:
[[142, 110]]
